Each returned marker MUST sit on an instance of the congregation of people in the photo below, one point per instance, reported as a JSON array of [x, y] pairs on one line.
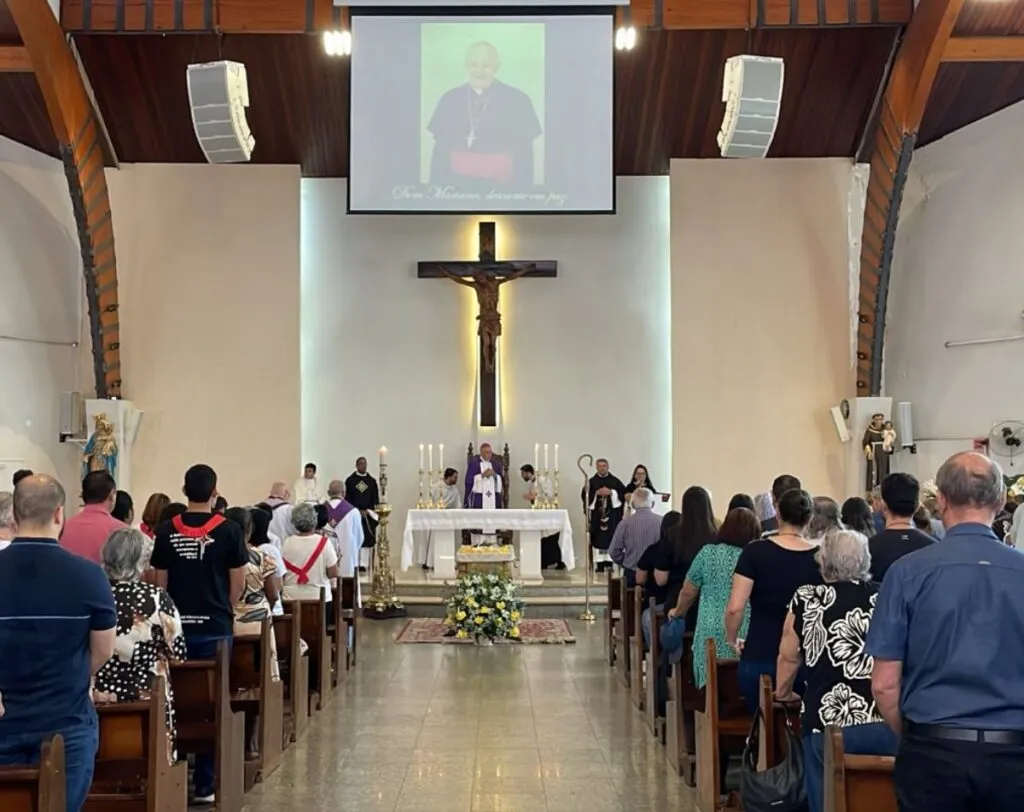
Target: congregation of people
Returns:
[[898, 620], [95, 609]]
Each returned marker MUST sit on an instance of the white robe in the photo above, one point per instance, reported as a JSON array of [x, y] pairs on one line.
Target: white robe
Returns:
[[307, 490], [281, 523], [347, 539], [489, 489]]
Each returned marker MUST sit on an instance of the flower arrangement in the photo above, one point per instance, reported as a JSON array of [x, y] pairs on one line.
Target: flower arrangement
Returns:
[[486, 549], [484, 606]]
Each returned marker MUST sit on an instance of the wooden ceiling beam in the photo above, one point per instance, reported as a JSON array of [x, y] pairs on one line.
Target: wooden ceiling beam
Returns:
[[984, 49], [79, 138], [14, 59], [903, 104], [311, 16]]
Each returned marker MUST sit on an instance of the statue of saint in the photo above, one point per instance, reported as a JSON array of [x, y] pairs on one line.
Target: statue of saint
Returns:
[[877, 451], [486, 283], [101, 450]]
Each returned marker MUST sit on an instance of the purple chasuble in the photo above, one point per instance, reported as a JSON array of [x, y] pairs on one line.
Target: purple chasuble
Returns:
[[476, 500], [338, 512]]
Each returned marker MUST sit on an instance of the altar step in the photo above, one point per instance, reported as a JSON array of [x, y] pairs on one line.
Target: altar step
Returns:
[[552, 599]]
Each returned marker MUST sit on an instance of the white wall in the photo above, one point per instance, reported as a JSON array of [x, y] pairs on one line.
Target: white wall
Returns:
[[388, 359], [760, 319], [41, 280], [957, 275], [208, 260]]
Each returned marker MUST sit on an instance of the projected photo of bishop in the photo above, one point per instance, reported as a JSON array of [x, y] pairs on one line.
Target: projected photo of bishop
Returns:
[[484, 129]]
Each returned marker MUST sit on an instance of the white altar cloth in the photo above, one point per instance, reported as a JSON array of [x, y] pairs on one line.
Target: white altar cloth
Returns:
[[529, 524]]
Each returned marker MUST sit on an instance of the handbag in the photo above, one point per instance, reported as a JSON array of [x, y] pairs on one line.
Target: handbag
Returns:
[[780, 788], [673, 632]]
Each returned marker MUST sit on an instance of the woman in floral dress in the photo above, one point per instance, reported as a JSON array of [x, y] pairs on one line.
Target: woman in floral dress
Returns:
[[826, 629], [149, 635], [710, 579]]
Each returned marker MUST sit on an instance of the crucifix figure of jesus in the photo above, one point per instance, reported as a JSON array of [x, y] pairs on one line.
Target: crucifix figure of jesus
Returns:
[[486, 283], [485, 276]]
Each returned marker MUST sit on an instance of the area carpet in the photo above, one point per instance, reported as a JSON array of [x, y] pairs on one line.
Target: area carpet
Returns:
[[431, 630]]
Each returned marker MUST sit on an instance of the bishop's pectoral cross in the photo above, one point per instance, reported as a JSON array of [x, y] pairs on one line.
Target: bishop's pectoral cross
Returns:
[[486, 276]]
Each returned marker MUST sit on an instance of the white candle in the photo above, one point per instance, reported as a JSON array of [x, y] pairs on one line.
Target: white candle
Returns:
[[556, 456], [440, 457], [430, 457], [536, 456], [421, 456], [383, 453], [545, 456]]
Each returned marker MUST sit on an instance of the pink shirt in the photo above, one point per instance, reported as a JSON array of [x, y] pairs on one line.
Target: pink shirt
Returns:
[[85, 533]]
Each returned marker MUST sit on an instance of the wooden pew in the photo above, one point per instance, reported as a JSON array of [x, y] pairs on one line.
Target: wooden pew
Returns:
[[294, 666], [856, 783], [346, 624], [260, 698], [206, 724], [36, 789], [723, 720], [773, 744], [612, 618], [653, 660], [313, 628], [684, 699], [133, 772], [624, 631], [636, 651]]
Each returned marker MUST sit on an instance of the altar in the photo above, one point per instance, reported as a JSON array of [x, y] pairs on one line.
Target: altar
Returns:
[[529, 526]]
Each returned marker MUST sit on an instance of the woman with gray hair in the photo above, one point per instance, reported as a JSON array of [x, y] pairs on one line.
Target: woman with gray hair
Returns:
[[826, 629], [149, 634], [310, 559], [824, 518]]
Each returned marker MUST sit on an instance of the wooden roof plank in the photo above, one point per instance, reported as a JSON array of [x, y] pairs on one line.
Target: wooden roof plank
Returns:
[[984, 49]]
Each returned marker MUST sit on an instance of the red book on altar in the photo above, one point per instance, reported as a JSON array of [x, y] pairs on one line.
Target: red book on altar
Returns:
[[490, 166]]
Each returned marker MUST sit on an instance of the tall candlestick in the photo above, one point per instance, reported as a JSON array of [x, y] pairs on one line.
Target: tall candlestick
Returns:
[[440, 458], [545, 456], [556, 456], [536, 456], [430, 457], [383, 453], [421, 456]]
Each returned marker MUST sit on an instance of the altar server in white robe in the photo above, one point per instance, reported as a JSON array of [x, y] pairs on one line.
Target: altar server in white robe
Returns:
[[345, 530], [307, 488], [450, 498]]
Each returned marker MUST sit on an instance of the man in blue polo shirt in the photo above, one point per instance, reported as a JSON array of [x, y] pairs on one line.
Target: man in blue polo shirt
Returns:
[[57, 627], [947, 637]]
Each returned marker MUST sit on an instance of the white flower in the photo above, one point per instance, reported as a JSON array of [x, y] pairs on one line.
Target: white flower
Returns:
[[816, 599], [843, 708], [846, 644]]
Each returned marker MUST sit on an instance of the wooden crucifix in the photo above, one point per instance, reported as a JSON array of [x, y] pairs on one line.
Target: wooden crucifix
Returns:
[[486, 276]]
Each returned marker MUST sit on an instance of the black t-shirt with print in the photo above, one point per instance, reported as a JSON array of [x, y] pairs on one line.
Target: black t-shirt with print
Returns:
[[890, 546], [198, 572], [832, 622], [661, 556], [777, 572]]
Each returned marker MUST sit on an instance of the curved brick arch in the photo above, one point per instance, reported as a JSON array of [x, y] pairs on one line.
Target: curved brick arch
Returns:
[[79, 136], [901, 111]]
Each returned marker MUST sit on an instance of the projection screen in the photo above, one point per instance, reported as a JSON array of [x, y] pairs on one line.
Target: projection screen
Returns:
[[481, 114]]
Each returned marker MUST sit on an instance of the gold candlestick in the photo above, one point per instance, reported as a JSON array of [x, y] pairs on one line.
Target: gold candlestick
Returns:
[[421, 503], [382, 603], [554, 491]]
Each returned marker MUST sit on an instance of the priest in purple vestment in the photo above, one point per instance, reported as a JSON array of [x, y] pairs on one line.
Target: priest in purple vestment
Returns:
[[483, 480]]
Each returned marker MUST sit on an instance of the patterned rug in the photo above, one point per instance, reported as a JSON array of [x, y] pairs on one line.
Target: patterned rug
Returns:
[[431, 630]]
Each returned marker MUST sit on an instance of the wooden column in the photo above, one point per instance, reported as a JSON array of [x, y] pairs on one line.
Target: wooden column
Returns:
[[79, 136], [901, 111]]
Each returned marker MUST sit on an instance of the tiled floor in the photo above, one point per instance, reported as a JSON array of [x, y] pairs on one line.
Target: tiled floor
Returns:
[[430, 728]]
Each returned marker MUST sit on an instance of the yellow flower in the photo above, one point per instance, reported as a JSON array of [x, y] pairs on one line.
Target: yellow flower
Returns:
[[479, 620], [500, 604], [470, 602], [460, 615], [513, 632], [462, 634], [514, 616], [485, 610]]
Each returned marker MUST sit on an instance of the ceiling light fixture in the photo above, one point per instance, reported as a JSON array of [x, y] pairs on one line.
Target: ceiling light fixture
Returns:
[[338, 43], [625, 38]]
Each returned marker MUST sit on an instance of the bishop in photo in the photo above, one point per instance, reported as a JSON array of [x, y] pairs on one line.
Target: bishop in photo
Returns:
[[607, 502]]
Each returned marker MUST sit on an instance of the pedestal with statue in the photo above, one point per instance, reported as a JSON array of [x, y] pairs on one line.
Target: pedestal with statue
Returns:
[[114, 425]]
